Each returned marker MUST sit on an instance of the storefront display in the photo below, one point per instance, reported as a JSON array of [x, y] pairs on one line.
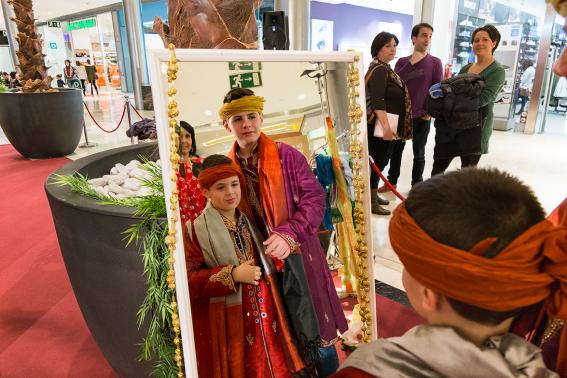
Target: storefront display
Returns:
[[93, 39]]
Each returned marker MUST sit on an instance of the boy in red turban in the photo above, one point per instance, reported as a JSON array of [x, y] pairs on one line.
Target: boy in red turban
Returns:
[[477, 252]]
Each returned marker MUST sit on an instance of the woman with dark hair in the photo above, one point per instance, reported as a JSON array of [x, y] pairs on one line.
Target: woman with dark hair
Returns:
[[15, 80], [191, 200], [386, 95], [471, 143], [188, 147]]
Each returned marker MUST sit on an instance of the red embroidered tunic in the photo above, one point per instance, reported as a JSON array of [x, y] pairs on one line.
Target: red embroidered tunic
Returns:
[[262, 339], [263, 349]]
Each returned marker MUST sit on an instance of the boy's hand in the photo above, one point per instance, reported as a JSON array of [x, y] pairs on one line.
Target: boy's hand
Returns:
[[247, 273], [277, 247]]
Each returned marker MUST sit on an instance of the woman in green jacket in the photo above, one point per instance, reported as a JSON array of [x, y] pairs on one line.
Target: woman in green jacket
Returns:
[[472, 143]]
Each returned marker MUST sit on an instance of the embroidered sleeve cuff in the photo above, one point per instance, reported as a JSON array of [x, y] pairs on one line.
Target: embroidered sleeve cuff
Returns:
[[224, 276], [293, 245]]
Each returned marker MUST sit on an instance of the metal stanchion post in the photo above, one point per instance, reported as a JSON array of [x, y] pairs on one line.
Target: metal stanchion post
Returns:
[[127, 104], [86, 144]]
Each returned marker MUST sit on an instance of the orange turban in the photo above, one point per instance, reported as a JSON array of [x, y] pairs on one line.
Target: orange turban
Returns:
[[532, 268], [207, 177]]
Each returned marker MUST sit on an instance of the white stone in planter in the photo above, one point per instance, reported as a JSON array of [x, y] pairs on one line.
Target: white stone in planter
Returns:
[[98, 182], [118, 178], [138, 173], [115, 188], [132, 184], [124, 181], [101, 190]]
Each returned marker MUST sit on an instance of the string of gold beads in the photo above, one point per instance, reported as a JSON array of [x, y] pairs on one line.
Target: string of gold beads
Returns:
[[171, 239], [355, 114]]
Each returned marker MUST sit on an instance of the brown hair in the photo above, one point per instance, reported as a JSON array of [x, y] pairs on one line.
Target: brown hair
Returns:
[[492, 32]]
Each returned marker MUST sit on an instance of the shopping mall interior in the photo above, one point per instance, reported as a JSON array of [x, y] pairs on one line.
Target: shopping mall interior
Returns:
[[75, 278]]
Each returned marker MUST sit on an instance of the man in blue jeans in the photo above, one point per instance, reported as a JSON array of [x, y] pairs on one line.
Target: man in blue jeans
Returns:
[[419, 71]]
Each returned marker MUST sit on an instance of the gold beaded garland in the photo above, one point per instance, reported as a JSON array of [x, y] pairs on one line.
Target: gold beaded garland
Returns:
[[171, 239], [355, 114]]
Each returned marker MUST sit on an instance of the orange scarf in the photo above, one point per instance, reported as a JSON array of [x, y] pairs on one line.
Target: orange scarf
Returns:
[[531, 269], [272, 187]]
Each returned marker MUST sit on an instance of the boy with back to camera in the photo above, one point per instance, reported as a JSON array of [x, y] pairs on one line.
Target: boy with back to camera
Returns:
[[475, 257]]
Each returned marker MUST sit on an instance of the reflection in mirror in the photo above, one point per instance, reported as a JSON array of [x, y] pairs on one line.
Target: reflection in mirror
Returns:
[[266, 195]]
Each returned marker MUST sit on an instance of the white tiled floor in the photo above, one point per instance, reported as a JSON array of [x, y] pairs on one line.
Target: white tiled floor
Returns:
[[107, 109], [539, 160]]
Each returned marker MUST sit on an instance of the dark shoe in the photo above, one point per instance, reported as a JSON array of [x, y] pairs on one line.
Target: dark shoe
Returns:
[[379, 210], [382, 201], [376, 200]]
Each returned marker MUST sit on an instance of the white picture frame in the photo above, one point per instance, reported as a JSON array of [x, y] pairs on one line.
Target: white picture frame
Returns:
[[158, 62]]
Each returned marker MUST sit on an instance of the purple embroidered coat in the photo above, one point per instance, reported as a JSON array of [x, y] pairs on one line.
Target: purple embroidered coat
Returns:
[[306, 205]]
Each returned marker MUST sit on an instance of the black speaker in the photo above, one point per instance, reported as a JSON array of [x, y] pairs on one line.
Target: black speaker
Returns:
[[274, 31]]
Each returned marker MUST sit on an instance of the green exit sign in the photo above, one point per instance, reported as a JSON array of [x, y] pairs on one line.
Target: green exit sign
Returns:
[[52, 45], [245, 80], [54, 24], [82, 24], [245, 66]]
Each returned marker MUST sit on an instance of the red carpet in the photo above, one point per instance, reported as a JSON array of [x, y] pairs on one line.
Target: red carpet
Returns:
[[42, 331]]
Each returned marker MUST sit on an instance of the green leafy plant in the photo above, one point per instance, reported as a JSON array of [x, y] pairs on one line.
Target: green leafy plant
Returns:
[[148, 234]]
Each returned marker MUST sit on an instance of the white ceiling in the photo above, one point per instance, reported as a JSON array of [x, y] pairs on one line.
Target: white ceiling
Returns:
[[398, 6], [45, 10]]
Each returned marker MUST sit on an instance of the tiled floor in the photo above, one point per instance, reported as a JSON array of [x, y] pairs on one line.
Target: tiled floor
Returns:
[[107, 109], [539, 160]]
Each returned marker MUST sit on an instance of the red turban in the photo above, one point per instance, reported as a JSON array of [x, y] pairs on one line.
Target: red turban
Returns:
[[207, 177]]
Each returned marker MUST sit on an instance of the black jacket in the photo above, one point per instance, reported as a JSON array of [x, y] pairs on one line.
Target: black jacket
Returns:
[[458, 116], [460, 106]]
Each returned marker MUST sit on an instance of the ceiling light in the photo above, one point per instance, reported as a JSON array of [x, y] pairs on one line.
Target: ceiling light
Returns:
[[302, 96], [208, 113]]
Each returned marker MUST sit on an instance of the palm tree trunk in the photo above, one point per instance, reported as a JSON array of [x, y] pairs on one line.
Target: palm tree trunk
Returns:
[[30, 49]]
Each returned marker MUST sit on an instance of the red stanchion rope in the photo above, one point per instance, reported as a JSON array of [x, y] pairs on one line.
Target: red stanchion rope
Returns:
[[386, 182], [136, 110], [99, 126]]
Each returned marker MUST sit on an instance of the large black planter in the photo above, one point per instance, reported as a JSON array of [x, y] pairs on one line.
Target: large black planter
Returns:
[[107, 277], [42, 125]]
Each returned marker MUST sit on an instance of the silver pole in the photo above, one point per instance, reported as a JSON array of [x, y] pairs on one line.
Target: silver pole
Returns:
[[299, 18], [86, 144], [135, 35], [10, 31], [127, 105]]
